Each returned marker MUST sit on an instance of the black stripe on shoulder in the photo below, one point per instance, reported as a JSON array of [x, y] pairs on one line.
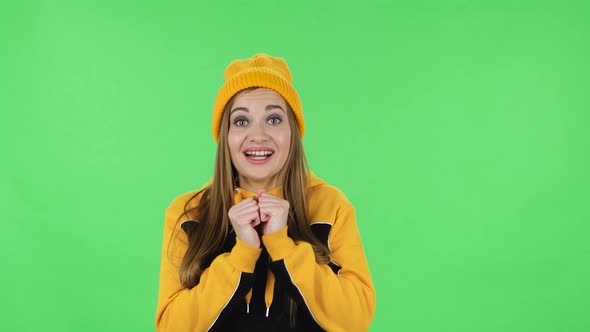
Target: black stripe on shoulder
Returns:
[[321, 231], [335, 267], [189, 225], [305, 320]]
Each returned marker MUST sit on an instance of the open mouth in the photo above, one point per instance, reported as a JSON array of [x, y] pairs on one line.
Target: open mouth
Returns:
[[258, 155]]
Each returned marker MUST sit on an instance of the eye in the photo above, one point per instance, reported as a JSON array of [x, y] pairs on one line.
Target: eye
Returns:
[[240, 122], [274, 120]]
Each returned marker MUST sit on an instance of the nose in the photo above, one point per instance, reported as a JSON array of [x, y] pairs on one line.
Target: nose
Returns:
[[258, 132]]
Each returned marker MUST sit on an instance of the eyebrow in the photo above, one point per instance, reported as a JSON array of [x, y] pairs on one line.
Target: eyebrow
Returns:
[[267, 108]]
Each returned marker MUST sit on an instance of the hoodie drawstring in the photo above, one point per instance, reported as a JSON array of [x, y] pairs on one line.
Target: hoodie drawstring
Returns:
[[268, 293], [269, 290], [270, 277], [248, 298]]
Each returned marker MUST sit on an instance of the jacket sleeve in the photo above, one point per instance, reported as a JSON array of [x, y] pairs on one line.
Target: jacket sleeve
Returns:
[[342, 301], [225, 282]]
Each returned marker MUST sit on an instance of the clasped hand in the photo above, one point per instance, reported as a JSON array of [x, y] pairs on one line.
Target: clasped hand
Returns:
[[257, 216]]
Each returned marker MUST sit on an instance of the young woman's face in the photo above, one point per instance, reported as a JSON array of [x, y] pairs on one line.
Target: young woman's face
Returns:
[[259, 137]]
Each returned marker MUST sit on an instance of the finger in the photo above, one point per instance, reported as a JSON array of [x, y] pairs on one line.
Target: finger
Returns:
[[264, 217], [246, 202], [247, 209], [269, 203], [249, 215], [237, 214], [245, 221], [248, 219], [269, 198], [267, 212], [251, 201], [272, 206], [256, 221]]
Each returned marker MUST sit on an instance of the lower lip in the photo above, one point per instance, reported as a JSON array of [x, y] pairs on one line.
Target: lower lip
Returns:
[[259, 162]]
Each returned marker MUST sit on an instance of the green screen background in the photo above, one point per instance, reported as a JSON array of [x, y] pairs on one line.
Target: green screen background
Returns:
[[458, 129]]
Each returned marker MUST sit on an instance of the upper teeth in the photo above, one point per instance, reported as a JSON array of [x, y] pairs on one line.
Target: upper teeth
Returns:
[[258, 153]]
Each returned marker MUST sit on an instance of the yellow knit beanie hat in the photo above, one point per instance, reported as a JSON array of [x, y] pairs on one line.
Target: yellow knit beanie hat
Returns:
[[263, 71]]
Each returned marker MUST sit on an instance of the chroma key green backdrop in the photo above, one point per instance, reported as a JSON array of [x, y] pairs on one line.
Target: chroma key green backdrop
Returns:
[[458, 129]]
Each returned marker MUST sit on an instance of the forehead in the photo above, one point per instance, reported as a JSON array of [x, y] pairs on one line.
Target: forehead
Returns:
[[259, 95]]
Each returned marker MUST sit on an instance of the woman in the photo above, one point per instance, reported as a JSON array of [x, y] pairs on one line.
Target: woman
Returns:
[[265, 245]]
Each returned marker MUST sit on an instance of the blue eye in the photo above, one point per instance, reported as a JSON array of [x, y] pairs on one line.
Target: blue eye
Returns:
[[274, 120], [240, 122]]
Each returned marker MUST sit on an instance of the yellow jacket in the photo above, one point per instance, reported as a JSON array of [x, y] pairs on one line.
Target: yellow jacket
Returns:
[[338, 296]]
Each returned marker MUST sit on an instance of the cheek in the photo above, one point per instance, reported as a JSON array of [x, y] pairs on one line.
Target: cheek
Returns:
[[234, 142], [284, 141]]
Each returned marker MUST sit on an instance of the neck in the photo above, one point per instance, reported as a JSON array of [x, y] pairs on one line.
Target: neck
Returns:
[[257, 186]]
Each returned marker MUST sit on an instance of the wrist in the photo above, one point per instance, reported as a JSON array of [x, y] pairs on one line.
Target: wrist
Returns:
[[244, 256], [278, 243]]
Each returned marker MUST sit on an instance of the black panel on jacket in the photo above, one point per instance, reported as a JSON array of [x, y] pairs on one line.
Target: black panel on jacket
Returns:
[[234, 316], [321, 232]]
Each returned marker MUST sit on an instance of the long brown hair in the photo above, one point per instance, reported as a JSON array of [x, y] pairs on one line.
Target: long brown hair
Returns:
[[217, 199]]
